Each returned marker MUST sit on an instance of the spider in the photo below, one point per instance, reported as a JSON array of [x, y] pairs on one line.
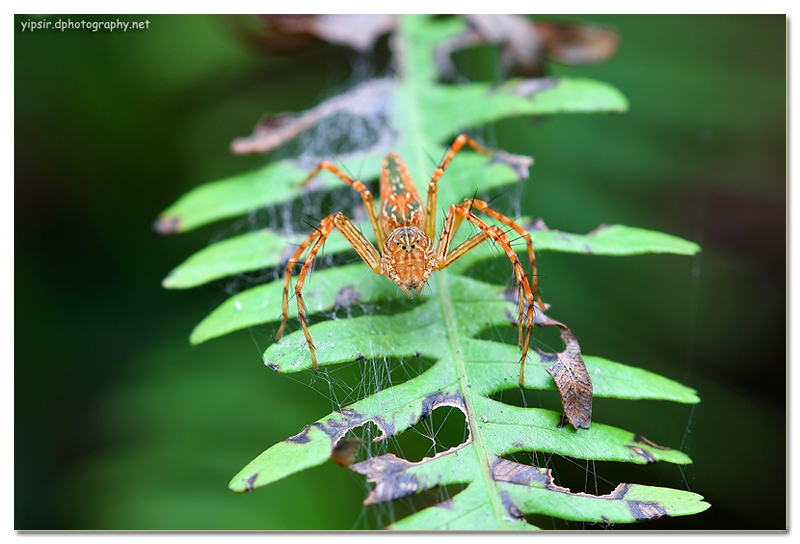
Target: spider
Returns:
[[404, 230]]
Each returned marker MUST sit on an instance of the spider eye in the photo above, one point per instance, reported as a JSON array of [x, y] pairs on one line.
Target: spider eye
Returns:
[[404, 247]]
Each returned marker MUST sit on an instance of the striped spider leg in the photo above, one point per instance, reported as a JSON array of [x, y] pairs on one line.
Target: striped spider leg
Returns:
[[359, 242], [526, 294]]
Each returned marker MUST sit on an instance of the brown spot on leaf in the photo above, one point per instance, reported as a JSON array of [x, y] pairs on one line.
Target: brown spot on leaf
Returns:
[[642, 440], [643, 511], [504, 470], [512, 509], [619, 492], [640, 510], [644, 454], [300, 438], [250, 482]]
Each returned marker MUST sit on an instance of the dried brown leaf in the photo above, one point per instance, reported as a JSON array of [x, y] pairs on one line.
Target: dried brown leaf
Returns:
[[577, 44], [525, 44], [344, 453], [283, 33], [368, 100], [356, 31], [571, 377]]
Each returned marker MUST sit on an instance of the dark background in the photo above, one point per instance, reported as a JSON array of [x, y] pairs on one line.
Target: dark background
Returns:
[[121, 424]]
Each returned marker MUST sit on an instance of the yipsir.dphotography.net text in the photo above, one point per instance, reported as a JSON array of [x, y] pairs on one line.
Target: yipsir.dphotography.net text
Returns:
[[68, 24]]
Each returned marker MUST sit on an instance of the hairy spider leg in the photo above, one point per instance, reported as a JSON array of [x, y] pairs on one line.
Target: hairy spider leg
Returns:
[[481, 206], [362, 246], [459, 212], [433, 184], [366, 196]]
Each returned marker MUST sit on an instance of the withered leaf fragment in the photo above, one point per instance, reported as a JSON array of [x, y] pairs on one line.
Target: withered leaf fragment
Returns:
[[344, 453], [370, 100], [571, 377], [284, 33], [525, 44], [356, 31], [390, 476], [568, 369], [577, 44]]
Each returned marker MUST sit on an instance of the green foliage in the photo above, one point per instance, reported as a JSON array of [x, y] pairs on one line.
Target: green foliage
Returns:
[[423, 116]]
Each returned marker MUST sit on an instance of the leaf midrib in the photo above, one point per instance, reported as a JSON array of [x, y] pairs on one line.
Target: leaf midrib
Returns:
[[460, 363], [411, 99]]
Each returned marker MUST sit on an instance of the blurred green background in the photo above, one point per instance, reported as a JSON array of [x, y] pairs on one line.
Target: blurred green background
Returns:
[[121, 424]]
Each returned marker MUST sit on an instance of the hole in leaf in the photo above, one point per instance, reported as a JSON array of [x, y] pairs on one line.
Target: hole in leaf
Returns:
[[444, 428], [599, 477], [577, 475]]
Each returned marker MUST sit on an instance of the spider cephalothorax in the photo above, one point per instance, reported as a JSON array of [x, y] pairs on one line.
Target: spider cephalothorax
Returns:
[[404, 230], [408, 259]]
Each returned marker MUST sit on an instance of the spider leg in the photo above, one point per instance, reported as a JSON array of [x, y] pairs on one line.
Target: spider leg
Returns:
[[433, 184], [366, 196], [459, 212], [481, 206], [362, 246]]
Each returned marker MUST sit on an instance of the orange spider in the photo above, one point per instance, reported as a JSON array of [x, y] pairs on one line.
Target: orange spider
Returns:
[[405, 230]]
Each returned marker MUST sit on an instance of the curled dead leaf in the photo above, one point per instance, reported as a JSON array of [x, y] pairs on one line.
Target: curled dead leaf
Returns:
[[285, 33], [571, 377], [525, 44], [577, 44], [568, 369], [370, 100]]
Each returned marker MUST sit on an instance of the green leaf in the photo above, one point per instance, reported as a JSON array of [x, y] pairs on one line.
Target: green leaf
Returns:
[[614, 240], [421, 118], [467, 371]]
